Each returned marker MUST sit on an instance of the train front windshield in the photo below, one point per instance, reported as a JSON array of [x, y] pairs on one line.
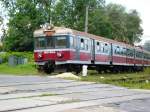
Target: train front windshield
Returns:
[[51, 42]]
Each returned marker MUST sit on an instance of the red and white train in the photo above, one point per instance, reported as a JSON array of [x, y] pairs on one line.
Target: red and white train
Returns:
[[64, 48]]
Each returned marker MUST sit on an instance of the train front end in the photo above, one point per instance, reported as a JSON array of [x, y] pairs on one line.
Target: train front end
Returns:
[[52, 48]]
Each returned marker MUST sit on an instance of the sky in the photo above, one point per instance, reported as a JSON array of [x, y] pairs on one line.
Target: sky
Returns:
[[143, 7]]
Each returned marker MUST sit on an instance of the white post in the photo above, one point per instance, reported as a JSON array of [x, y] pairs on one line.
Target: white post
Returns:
[[84, 70]]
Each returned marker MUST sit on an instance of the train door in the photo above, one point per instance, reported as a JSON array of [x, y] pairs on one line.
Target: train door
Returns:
[[77, 48], [92, 51], [111, 53]]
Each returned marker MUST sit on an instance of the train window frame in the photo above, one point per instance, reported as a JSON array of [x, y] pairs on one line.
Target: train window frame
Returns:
[[106, 48], [35, 43], [98, 46], [139, 54], [86, 44], [53, 42], [117, 50], [82, 46], [58, 46], [124, 51], [130, 52], [72, 42]]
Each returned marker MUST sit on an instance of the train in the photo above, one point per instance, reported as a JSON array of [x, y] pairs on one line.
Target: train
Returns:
[[65, 49]]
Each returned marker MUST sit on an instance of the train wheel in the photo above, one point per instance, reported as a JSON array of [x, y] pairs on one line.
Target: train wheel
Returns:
[[40, 68], [77, 69], [48, 68]]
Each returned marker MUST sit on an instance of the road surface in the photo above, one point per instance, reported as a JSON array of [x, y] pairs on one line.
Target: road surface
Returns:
[[49, 94]]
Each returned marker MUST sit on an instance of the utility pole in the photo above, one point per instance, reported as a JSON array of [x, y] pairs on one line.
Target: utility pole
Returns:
[[86, 18]]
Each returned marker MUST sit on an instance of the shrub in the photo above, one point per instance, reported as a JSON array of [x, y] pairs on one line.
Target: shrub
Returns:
[[6, 55]]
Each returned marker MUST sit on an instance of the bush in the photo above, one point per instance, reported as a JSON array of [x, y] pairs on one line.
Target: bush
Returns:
[[28, 55]]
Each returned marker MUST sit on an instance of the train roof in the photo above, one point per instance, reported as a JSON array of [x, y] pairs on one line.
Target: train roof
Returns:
[[64, 31]]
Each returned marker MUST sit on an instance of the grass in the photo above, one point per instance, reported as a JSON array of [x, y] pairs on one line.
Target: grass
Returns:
[[26, 69], [140, 80]]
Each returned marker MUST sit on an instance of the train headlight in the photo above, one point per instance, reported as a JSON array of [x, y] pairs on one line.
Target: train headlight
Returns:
[[59, 55], [39, 55]]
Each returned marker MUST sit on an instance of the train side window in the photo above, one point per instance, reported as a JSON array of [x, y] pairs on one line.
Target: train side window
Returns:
[[86, 44], [121, 51], [130, 53], [98, 47], [102, 48], [82, 44], [139, 54], [89, 44], [72, 44], [124, 51], [117, 50], [106, 48]]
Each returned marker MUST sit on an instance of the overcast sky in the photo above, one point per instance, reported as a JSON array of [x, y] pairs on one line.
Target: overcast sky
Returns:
[[143, 7]]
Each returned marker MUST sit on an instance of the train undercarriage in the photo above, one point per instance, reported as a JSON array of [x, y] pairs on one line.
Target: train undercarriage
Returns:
[[50, 67]]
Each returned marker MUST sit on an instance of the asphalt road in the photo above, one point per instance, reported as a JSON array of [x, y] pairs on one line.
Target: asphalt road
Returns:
[[47, 94]]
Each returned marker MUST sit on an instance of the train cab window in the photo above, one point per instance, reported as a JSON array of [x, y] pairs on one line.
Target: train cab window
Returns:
[[50, 42], [61, 42], [40, 43]]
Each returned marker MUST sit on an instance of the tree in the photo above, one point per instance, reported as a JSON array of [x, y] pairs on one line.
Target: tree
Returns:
[[1, 20], [147, 45], [116, 17], [111, 21], [24, 19], [125, 26], [134, 30], [71, 13]]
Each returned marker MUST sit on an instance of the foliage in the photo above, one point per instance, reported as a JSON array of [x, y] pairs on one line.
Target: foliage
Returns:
[[111, 21], [1, 48], [1, 20], [72, 13], [24, 19], [147, 45], [28, 55], [124, 26]]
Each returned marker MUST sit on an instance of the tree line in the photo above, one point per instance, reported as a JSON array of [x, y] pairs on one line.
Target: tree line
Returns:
[[110, 21]]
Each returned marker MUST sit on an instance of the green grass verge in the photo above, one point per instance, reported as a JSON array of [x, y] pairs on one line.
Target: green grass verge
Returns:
[[27, 69], [139, 80]]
